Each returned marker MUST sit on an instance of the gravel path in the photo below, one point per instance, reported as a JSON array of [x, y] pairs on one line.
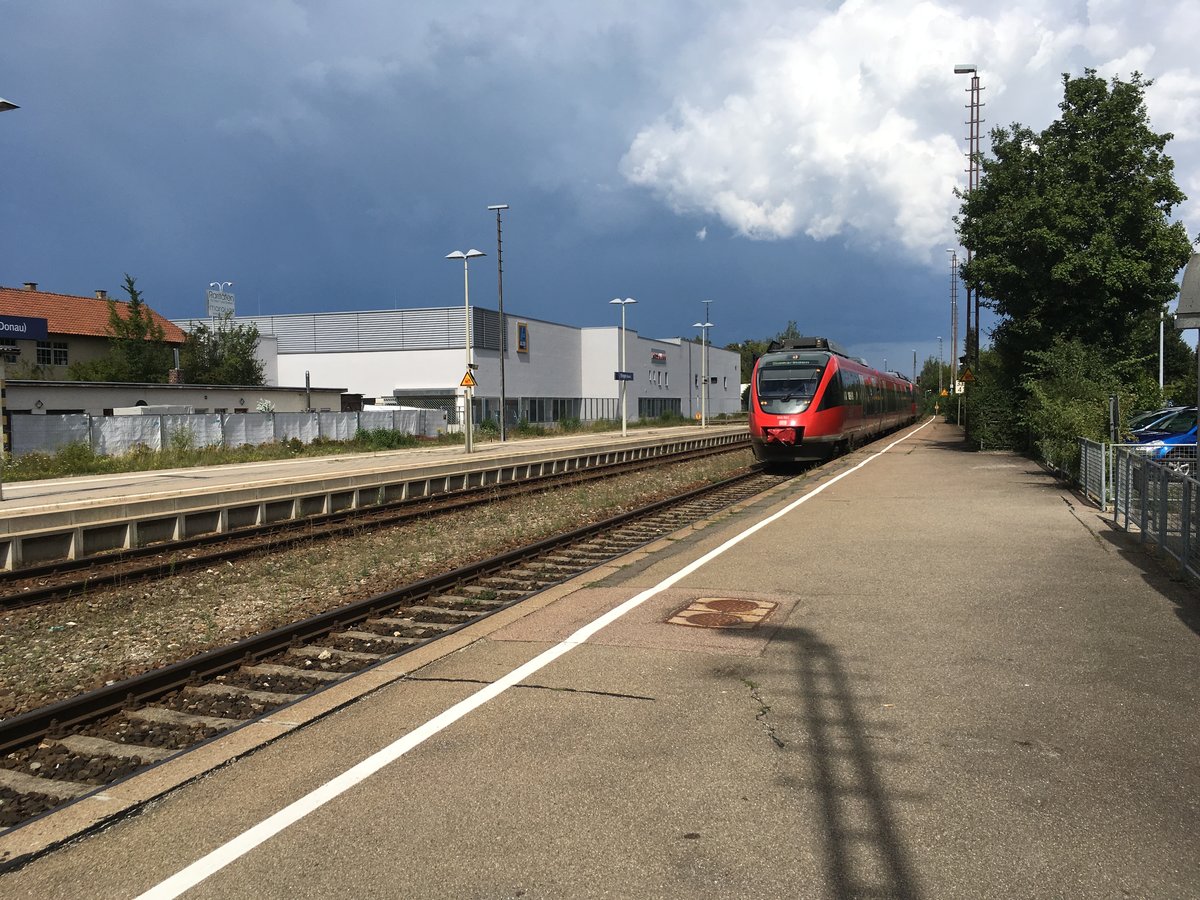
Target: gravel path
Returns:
[[53, 652]]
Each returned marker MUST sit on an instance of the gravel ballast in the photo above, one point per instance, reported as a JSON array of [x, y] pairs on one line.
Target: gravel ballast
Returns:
[[52, 652]]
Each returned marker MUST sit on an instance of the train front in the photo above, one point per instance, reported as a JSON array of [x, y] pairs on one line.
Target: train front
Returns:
[[787, 419]]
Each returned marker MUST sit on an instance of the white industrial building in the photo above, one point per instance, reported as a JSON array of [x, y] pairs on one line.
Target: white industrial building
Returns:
[[417, 357]]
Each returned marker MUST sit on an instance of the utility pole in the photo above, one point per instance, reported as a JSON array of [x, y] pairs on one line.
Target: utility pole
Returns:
[[503, 325], [973, 123]]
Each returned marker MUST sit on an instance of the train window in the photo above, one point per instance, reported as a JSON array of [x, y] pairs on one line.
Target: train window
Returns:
[[788, 383]]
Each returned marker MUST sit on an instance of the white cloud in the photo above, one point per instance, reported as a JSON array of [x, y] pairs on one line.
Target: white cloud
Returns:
[[702, 234], [847, 122]]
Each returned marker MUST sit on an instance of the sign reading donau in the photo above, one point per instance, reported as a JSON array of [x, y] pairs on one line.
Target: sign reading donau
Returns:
[[23, 328]]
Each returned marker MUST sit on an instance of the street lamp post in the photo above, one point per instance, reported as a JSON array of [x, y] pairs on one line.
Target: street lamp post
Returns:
[[5, 106], [468, 378], [503, 325], [621, 357], [704, 326]]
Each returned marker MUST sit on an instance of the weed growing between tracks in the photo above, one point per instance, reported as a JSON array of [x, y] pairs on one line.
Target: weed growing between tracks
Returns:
[[52, 652]]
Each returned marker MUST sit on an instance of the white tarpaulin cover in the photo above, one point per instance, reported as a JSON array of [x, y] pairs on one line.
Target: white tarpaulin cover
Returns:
[[115, 435], [248, 428], [47, 434], [336, 426], [205, 430], [296, 425]]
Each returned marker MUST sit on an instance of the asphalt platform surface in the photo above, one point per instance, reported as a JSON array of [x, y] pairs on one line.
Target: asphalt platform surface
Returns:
[[950, 678]]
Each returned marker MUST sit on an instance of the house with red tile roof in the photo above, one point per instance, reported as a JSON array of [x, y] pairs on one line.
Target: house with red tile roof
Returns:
[[77, 330]]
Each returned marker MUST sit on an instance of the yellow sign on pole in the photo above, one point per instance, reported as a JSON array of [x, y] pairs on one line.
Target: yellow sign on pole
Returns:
[[967, 376], [468, 380]]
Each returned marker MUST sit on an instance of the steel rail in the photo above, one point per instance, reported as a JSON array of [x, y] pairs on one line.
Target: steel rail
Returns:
[[30, 727], [279, 535]]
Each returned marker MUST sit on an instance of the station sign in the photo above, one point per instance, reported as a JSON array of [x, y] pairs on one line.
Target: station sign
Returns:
[[23, 328], [622, 376], [219, 303]]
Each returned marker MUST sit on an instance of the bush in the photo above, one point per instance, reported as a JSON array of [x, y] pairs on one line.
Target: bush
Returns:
[[1068, 389], [525, 429], [384, 439]]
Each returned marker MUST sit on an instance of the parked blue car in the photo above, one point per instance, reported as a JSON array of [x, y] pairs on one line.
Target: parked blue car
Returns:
[[1172, 441], [1147, 420]]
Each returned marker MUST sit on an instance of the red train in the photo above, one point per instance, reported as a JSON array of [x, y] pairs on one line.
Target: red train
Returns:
[[810, 401]]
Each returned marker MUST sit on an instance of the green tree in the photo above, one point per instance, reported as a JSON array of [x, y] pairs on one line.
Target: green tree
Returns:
[[1070, 228], [136, 352], [750, 350], [1074, 248], [222, 354]]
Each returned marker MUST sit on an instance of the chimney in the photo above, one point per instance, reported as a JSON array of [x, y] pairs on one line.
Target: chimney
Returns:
[[101, 295], [31, 285]]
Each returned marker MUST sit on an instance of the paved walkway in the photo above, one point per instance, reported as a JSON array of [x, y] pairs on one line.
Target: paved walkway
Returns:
[[968, 686]]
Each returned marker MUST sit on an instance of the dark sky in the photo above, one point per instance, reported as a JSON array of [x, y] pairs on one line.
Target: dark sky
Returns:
[[787, 161]]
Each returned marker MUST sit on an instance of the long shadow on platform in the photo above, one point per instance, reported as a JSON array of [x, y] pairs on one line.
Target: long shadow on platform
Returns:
[[864, 849], [1159, 571]]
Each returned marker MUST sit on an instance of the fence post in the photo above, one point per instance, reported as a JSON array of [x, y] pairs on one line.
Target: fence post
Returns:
[[1104, 476], [1185, 522]]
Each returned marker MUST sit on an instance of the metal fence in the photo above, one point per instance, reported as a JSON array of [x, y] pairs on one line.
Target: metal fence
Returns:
[[1094, 466], [1158, 498], [115, 435]]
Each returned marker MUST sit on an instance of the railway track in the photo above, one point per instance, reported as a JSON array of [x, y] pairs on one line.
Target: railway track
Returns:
[[58, 754], [73, 578]]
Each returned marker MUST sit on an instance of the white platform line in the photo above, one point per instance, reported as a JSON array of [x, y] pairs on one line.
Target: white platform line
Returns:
[[269, 827]]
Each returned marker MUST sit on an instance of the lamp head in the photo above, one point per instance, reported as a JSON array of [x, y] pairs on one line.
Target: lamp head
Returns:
[[499, 206], [456, 254], [964, 69], [6, 105], [472, 253]]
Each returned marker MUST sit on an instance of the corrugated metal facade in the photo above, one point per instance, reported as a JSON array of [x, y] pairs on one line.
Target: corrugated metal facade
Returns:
[[439, 328]]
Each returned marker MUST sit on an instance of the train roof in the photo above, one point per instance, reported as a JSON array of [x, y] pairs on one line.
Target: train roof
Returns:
[[808, 343]]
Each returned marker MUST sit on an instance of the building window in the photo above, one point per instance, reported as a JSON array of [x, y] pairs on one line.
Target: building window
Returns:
[[522, 337], [51, 354], [8, 349]]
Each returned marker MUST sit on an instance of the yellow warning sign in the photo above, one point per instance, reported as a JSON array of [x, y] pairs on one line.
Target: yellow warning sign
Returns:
[[468, 380], [945, 393], [967, 376]]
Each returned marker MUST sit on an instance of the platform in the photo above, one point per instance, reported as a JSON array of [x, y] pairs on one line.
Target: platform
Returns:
[[965, 684], [70, 518]]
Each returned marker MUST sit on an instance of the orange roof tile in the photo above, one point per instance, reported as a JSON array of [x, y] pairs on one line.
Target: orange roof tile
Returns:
[[68, 314]]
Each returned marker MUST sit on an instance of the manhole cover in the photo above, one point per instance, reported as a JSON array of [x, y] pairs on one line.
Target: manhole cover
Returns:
[[712, 620], [729, 605], [722, 612]]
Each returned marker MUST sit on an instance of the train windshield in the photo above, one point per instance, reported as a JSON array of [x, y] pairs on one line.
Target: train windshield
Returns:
[[787, 382]]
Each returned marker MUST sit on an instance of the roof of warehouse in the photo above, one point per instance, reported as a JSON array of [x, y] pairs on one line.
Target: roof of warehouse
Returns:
[[69, 314]]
